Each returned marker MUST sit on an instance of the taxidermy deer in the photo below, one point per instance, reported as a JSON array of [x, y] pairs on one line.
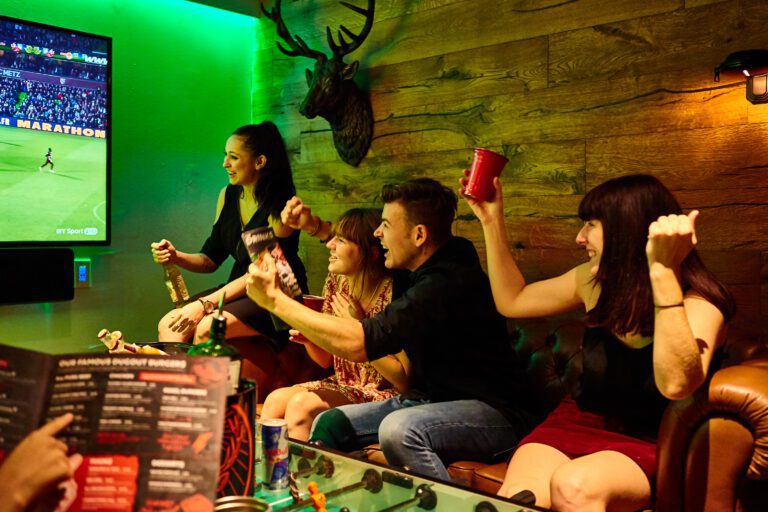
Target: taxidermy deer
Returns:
[[333, 94]]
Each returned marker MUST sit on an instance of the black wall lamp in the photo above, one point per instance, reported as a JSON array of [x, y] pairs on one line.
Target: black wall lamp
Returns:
[[754, 65]]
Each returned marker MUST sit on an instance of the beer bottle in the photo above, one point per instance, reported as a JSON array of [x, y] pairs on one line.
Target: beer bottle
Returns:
[[174, 281], [217, 347]]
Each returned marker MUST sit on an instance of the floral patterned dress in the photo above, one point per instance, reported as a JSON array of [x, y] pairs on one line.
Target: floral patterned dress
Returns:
[[358, 382]]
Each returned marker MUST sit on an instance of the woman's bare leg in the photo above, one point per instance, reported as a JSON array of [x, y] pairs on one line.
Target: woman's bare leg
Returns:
[[235, 328], [304, 407], [600, 481], [277, 401], [531, 468], [164, 331]]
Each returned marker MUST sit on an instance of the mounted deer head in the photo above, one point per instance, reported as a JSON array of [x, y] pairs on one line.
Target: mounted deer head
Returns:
[[333, 94]]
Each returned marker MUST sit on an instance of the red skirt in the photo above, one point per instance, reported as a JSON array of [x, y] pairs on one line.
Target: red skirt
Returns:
[[577, 433]]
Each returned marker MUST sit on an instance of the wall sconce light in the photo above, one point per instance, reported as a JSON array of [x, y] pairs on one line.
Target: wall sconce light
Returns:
[[754, 65]]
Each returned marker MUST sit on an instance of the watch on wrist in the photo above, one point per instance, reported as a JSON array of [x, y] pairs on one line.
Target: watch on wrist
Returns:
[[208, 306]]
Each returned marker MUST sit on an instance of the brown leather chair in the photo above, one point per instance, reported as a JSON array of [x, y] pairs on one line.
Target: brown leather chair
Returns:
[[712, 447]]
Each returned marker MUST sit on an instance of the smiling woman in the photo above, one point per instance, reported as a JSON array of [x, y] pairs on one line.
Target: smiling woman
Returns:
[[656, 316], [260, 182], [591, 238], [358, 286]]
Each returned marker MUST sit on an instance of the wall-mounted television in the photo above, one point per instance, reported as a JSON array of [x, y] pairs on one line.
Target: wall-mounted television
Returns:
[[55, 99]]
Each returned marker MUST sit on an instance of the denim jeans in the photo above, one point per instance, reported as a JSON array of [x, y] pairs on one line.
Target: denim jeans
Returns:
[[416, 434]]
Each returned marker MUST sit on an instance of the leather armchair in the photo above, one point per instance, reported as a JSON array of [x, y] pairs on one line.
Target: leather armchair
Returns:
[[713, 446]]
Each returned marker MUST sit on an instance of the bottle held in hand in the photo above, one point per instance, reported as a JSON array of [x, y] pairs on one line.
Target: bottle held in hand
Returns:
[[174, 281], [217, 347]]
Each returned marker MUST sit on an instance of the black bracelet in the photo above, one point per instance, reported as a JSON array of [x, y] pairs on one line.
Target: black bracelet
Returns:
[[330, 235], [667, 306]]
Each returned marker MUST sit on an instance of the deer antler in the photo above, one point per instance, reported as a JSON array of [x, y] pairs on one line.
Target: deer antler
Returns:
[[297, 44], [344, 48]]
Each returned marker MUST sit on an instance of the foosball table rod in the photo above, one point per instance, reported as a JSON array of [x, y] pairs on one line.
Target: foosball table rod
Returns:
[[371, 481], [323, 466], [425, 498]]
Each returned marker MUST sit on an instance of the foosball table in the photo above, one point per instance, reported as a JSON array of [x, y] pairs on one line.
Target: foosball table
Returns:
[[322, 479]]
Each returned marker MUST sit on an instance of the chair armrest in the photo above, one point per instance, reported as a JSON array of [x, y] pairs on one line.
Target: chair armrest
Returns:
[[710, 442]]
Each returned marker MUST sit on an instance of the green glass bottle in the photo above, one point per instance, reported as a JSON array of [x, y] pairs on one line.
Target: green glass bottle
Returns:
[[217, 347]]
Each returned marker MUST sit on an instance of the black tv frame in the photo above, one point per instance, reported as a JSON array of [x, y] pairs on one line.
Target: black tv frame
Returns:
[[108, 221]]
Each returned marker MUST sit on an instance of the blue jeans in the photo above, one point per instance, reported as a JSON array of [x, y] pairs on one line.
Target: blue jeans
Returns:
[[417, 434]]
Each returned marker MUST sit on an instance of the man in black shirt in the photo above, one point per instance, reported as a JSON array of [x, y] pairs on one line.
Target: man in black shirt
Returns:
[[461, 403]]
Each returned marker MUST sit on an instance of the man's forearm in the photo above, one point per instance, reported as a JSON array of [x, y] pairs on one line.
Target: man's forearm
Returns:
[[343, 337]]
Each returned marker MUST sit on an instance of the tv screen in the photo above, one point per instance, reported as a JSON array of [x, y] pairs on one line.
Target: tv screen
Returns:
[[55, 92]]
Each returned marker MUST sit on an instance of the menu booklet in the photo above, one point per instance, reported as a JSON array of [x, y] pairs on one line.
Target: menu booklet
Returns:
[[149, 428], [262, 241]]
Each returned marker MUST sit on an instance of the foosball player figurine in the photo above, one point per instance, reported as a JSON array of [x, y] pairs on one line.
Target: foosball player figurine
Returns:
[[318, 498]]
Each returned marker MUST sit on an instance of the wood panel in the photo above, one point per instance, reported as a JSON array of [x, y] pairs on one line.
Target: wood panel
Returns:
[[533, 170], [734, 267], [297, 12], [731, 268], [506, 68], [667, 43], [308, 19], [762, 298], [573, 92], [469, 24], [728, 221], [586, 110], [705, 159], [697, 3]]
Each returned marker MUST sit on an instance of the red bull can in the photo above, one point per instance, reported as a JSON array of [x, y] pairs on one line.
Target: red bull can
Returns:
[[274, 454]]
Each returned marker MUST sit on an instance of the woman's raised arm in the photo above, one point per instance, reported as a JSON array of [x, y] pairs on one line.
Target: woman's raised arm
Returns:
[[687, 328]]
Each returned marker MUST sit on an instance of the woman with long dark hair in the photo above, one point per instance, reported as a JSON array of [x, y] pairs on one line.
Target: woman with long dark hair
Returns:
[[260, 183], [655, 317], [358, 286]]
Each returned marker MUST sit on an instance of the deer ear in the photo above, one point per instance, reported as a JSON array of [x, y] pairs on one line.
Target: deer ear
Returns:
[[349, 71], [308, 75]]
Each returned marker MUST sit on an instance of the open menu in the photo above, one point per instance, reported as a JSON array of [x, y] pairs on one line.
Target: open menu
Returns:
[[149, 428], [262, 241]]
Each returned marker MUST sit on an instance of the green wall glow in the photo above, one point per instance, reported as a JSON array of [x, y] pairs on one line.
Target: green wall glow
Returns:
[[181, 82]]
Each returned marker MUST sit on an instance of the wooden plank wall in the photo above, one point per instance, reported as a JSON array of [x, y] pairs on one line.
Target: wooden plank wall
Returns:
[[573, 91]]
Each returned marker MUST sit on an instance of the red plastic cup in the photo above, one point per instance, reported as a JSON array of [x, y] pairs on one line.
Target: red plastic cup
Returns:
[[486, 165], [313, 302]]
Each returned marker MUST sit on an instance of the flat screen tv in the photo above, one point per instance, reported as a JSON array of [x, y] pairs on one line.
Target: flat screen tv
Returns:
[[55, 98]]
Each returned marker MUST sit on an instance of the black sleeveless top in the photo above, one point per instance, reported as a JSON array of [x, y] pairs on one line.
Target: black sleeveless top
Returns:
[[617, 382], [225, 239]]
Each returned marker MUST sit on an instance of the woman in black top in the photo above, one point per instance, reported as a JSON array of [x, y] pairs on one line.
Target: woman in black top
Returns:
[[656, 318], [260, 183]]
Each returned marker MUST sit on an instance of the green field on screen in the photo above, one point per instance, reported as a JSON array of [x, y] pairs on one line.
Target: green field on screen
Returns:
[[66, 205]]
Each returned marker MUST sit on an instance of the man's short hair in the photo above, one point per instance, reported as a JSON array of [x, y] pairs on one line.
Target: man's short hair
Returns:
[[426, 202]]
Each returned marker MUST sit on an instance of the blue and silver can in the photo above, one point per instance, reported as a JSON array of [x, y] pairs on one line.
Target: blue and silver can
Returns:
[[274, 455]]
